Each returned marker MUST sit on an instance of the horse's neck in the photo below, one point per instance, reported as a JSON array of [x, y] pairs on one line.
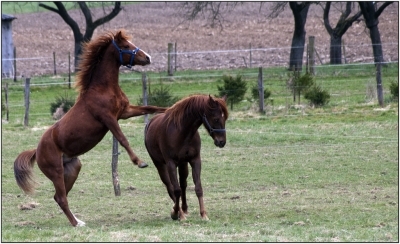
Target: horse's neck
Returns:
[[107, 73], [191, 125]]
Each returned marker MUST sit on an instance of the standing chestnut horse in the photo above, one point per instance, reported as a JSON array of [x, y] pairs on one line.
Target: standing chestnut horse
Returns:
[[99, 106], [172, 141]]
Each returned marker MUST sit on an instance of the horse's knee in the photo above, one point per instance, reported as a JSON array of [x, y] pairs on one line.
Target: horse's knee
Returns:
[[177, 193], [199, 191]]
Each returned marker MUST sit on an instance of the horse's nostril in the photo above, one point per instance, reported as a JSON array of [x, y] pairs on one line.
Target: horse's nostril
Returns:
[[148, 59], [220, 143]]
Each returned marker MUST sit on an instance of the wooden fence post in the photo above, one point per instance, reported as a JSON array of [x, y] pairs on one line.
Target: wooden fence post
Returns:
[[344, 52], [114, 167], [311, 41], [170, 70], [15, 64], [307, 58], [6, 95], [144, 85], [251, 59], [379, 87], [54, 63], [69, 70], [261, 89], [175, 55], [27, 93]]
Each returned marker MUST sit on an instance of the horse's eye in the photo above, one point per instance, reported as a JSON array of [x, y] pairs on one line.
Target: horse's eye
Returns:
[[126, 46], [216, 120]]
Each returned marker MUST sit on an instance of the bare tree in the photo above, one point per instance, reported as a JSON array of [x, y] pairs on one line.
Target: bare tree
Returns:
[[300, 11], [371, 13], [214, 11], [339, 30], [90, 24]]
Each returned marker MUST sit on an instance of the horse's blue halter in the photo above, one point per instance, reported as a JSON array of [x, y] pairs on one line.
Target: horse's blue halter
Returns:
[[208, 126], [131, 52]]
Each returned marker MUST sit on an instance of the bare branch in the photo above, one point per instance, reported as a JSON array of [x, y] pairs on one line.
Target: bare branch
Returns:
[[212, 11], [276, 9], [381, 8], [48, 8]]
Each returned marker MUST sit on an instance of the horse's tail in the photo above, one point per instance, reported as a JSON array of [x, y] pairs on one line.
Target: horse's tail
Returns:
[[23, 172]]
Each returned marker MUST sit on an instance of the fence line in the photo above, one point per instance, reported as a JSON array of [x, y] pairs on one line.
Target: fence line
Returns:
[[210, 59], [177, 77]]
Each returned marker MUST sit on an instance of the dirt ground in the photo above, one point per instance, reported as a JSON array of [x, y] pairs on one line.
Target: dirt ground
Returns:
[[154, 24]]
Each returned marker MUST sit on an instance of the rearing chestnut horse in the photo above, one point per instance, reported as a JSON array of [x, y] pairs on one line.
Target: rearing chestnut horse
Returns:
[[172, 140], [99, 106]]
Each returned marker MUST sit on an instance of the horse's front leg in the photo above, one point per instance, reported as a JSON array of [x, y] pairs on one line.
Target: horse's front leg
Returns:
[[113, 126], [183, 174], [176, 211], [196, 170], [133, 111]]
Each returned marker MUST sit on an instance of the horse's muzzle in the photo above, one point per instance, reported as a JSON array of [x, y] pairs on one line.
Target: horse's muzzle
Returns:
[[219, 143]]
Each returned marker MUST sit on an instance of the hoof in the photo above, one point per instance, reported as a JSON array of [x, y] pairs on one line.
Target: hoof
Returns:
[[80, 222], [174, 216], [205, 218], [182, 217], [143, 165]]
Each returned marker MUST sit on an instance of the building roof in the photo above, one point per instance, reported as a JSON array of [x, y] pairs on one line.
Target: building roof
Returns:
[[7, 17]]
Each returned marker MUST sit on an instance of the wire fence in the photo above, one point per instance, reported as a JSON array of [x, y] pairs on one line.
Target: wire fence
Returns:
[[331, 77], [205, 59]]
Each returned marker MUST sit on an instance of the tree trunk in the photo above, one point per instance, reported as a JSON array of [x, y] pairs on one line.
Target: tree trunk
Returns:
[[337, 33], [336, 49], [299, 35], [371, 15], [376, 44], [77, 52]]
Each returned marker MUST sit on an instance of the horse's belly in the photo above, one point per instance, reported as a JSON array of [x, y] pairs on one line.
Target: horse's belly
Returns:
[[81, 145], [78, 139]]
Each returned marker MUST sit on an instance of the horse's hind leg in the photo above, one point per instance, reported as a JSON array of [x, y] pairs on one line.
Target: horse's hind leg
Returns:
[[72, 167], [49, 160]]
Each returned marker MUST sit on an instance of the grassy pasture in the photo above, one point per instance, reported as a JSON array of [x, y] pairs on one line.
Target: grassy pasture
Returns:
[[298, 175], [33, 7]]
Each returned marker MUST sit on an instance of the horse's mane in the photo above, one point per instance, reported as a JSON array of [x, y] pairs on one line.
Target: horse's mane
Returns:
[[193, 106], [92, 52]]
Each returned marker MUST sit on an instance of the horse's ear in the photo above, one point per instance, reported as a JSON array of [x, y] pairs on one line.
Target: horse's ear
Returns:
[[211, 100], [118, 35], [224, 97]]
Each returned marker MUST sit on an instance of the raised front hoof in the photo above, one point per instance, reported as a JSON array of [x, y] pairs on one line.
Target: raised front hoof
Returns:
[[142, 165]]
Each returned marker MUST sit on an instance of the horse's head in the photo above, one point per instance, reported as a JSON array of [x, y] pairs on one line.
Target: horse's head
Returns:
[[214, 120], [128, 53]]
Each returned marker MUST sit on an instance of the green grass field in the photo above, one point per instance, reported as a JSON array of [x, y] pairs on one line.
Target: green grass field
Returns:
[[33, 7], [293, 174]]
